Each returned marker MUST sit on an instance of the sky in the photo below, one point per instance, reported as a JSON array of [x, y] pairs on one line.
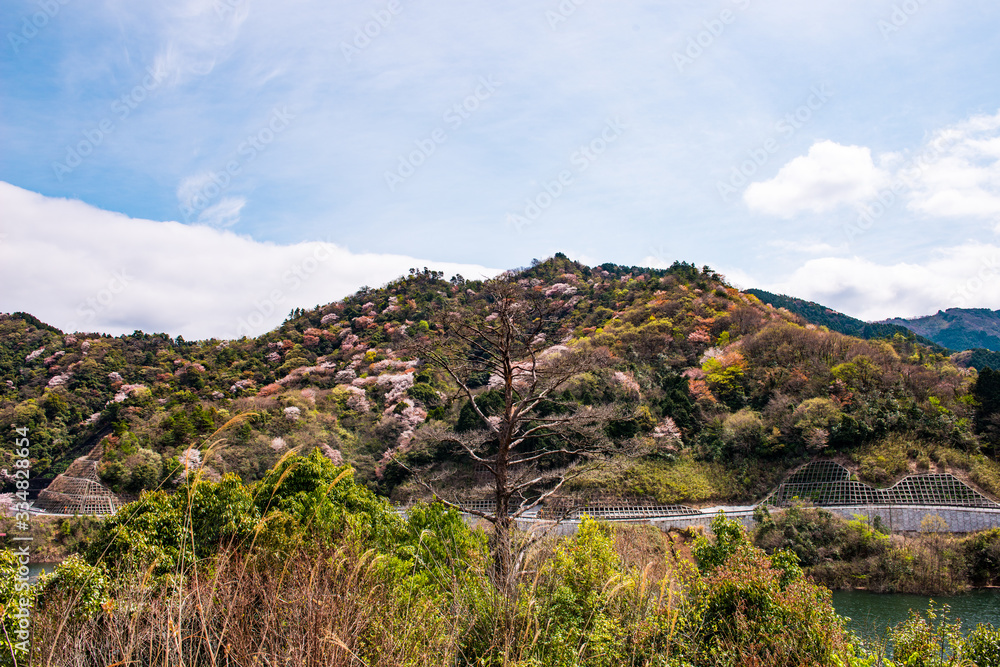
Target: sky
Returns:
[[202, 167]]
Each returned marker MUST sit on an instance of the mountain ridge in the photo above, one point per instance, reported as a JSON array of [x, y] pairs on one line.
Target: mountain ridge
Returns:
[[957, 328]]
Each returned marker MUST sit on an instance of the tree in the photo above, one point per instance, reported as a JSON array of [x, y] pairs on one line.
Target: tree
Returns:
[[529, 434], [986, 391]]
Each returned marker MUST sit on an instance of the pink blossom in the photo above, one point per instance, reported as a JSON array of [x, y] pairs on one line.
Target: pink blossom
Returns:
[[125, 390], [667, 429], [241, 385], [699, 336], [627, 383], [58, 380]]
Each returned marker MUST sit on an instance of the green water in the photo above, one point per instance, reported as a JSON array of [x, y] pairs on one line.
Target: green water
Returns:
[[872, 613], [35, 569]]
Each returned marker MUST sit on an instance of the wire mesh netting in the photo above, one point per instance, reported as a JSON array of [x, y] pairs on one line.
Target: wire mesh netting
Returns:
[[79, 490], [613, 510], [829, 483]]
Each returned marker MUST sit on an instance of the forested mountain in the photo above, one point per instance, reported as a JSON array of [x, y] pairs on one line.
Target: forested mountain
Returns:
[[712, 393], [820, 315], [958, 328]]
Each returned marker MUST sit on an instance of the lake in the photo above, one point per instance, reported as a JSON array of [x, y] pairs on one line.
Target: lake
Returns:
[[34, 569], [872, 613]]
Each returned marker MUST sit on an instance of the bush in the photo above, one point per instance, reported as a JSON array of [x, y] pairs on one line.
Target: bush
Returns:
[[982, 554], [165, 532], [982, 646], [425, 394], [922, 642], [76, 586], [579, 587], [749, 608], [309, 496]]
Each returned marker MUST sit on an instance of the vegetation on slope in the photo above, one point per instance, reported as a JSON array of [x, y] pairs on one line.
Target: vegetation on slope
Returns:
[[820, 315], [957, 328], [713, 392], [308, 567]]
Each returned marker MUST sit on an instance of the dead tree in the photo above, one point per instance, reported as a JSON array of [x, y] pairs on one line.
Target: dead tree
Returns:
[[536, 440]]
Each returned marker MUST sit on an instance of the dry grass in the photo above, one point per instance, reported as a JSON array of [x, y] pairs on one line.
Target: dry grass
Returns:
[[335, 608]]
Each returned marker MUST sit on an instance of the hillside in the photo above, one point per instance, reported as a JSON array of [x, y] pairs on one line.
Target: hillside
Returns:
[[957, 328], [820, 315], [714, 392]]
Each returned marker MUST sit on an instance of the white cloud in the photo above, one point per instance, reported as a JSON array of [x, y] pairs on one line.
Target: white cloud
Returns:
[[962, 276], [957, 173], [829, 176], [225, 213], [810, 248], [954, 174], [78, 267], [197, 35]]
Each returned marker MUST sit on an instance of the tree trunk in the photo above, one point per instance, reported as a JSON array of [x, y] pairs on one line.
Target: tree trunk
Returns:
[[502, 547]]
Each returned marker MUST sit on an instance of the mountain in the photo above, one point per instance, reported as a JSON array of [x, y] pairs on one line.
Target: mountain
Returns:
[[957, 328], [715, 393], [820, 315]]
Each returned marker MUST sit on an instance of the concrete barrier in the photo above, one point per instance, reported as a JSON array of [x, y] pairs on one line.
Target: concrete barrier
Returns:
[[895, 518]]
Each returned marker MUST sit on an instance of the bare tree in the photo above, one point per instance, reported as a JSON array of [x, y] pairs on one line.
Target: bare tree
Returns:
[[535, 441]]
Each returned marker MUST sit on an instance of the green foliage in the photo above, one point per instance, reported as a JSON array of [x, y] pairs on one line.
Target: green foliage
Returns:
[[667, 482], [727, 382], [489, 402], [982, 646], [982, 554], [748, 608], [166, 532], [744, 432], [883, 462], [579, 587], [931, 641], [425, 394], [435, 543], [822, 316], [986, 391], [309, 495], [729, 537], [76, 585]]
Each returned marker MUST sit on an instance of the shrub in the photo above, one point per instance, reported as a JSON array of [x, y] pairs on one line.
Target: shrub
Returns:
[[580, 586], [76, 586], [310, 496], [982, 646], [425, 394], [748, 608], [982, 554], [922, 642]]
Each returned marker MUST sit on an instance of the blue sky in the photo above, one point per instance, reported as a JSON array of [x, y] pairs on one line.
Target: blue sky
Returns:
[[847, 152]]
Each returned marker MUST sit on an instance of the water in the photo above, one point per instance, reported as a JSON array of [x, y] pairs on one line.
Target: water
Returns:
[[35, 569], [872, 613]]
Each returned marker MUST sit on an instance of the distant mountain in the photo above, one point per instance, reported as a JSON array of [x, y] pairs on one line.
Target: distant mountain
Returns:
[[958, 328], [820, 315]]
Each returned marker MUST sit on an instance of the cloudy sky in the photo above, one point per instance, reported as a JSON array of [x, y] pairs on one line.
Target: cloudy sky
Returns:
[[202, 167]]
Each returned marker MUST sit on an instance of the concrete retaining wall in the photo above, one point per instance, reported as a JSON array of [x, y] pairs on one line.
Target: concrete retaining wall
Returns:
[[910, 518], [896, 518]]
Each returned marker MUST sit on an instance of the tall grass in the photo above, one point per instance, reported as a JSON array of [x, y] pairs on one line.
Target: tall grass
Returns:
[[328, 608]]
